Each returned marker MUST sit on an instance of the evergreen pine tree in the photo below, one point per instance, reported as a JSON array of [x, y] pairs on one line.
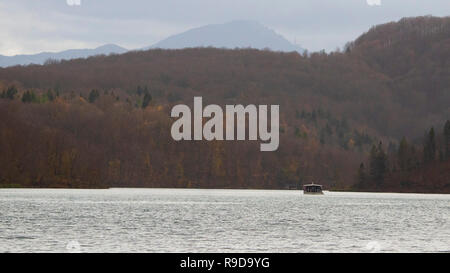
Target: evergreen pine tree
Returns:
[[378, 164], [429, 149], [29, 96], [10, 93], [361, 176], [403, 154], [93, 95], [50, 95], [147, 100], [372, 161], [382, 166]]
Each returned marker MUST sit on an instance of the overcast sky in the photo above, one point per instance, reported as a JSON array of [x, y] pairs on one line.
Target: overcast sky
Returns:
[[31, 26]]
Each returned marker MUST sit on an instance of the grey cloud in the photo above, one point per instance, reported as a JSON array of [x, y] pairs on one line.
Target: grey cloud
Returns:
[[314, 24]]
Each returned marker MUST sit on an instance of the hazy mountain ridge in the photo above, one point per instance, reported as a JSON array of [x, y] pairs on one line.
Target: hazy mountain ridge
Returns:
[[41, 58], [414, 53], [235, 34], [395, 48]]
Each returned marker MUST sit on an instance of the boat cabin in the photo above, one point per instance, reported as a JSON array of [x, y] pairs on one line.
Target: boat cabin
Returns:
[[312, 189]]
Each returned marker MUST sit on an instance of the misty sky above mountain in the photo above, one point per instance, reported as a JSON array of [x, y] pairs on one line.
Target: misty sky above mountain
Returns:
[[29, 26]]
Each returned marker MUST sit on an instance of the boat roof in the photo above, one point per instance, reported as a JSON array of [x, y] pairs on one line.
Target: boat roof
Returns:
[[312, 185]]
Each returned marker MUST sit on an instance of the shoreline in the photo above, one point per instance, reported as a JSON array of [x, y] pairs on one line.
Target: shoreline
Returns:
[[250, 189]]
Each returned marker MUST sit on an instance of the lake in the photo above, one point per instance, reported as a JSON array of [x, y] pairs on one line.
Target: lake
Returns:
[[194, 220]]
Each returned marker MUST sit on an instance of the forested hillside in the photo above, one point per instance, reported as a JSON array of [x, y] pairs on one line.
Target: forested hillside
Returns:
[[104, 121]]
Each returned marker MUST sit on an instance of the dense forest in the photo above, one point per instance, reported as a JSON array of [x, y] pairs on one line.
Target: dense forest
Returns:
[[357, 118], [419, 167]]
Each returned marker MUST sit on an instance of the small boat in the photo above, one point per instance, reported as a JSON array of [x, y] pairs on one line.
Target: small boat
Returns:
[[312, 189]]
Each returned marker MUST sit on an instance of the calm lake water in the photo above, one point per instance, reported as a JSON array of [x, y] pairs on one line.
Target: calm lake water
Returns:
[[185, 220]]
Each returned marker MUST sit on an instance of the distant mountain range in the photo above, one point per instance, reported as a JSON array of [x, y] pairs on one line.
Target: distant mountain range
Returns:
[[40, 58], [235, 34]]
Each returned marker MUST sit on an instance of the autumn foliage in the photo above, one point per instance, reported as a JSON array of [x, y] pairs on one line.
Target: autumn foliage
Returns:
[[104, 121]]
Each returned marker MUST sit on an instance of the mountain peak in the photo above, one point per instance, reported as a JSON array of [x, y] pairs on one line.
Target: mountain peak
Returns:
[[111, 47], [234, 34]]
